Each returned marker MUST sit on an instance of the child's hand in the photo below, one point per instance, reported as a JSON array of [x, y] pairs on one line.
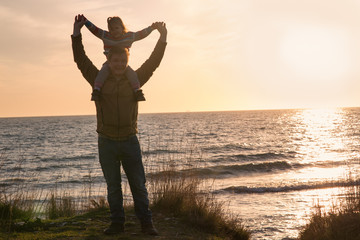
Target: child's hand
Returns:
[[153, 26], [156, 25]]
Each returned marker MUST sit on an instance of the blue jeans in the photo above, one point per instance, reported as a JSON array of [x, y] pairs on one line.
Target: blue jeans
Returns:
[[112, 155]]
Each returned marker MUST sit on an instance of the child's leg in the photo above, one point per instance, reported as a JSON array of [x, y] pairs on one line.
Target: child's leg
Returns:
[[102, 75], [133, 78], [135, 84], [99, 81]]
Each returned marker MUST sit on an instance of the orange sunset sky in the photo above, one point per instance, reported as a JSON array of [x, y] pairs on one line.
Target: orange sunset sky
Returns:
[[221, 55]]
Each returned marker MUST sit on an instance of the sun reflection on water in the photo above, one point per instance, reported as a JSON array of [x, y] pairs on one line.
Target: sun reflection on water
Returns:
[[319, 135], [322, 147]]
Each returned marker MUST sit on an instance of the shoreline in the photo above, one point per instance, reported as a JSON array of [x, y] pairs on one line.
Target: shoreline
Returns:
[[90, 225]]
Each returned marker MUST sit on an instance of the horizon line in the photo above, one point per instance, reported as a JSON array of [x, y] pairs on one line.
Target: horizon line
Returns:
[[188, 111]]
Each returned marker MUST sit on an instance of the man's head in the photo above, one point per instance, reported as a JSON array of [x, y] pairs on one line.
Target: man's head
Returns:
[[118, 58], [116, 27]]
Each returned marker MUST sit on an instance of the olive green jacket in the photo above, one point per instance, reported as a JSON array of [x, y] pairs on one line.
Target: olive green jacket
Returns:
[[117, 109]]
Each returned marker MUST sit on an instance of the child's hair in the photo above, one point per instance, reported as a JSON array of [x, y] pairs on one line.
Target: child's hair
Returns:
[[116, 20]]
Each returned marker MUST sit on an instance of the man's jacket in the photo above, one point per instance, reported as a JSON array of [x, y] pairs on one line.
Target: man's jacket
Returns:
[[117, 109]]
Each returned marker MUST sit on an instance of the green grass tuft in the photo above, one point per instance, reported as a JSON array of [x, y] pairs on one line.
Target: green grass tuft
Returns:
[[60, 207]]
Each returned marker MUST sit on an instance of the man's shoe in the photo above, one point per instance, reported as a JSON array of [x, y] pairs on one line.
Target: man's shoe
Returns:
[[139, 96], [95, 95], [149, 229], [115, 228]]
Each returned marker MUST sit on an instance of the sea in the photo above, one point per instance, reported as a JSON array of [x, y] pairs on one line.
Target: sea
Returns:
[[271, 168]]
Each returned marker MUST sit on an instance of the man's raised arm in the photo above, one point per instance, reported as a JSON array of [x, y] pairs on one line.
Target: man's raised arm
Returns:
[[87, 68], [149, 66]]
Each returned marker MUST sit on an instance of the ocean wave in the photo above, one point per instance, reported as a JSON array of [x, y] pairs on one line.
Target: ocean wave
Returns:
[[160, 151], [233, 170], [251, 167], [4, 149], [261, 156], [72, 158], [224, 171], [202, 134], [50, 167], [290, 188], [227, 147], [257, 157], [12, 182], [70, 181]]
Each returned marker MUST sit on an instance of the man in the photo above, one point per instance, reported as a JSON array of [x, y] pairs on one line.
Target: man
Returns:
[[117, 112]]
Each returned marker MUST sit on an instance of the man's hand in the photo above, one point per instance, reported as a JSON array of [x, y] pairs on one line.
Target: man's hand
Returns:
[[78, 24], [161, 27]]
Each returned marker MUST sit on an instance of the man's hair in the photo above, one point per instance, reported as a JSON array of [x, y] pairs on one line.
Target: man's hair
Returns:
[[111, 21], [117, 50]]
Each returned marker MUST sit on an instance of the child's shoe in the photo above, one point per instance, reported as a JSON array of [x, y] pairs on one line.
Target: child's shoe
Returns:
[[95, 95], [139, 96]]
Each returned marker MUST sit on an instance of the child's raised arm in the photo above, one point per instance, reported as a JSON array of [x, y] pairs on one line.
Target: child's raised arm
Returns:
[[98, 32], [143, 33]]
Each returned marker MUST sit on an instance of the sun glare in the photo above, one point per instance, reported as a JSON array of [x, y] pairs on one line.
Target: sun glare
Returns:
[[319, 131]]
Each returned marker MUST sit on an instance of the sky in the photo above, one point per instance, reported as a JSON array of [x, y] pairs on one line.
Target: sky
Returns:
[[220, 56]]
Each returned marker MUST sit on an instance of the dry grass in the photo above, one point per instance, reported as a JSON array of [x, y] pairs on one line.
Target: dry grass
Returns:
[[181, 196], [60, 207], [15, 200], [20, 203], [342, 222]]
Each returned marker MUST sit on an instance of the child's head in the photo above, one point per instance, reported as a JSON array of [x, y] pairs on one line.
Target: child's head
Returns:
[[116, 26]]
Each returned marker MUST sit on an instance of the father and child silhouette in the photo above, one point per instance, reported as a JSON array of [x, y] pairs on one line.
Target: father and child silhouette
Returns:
[[117, 35], [116, 92]]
